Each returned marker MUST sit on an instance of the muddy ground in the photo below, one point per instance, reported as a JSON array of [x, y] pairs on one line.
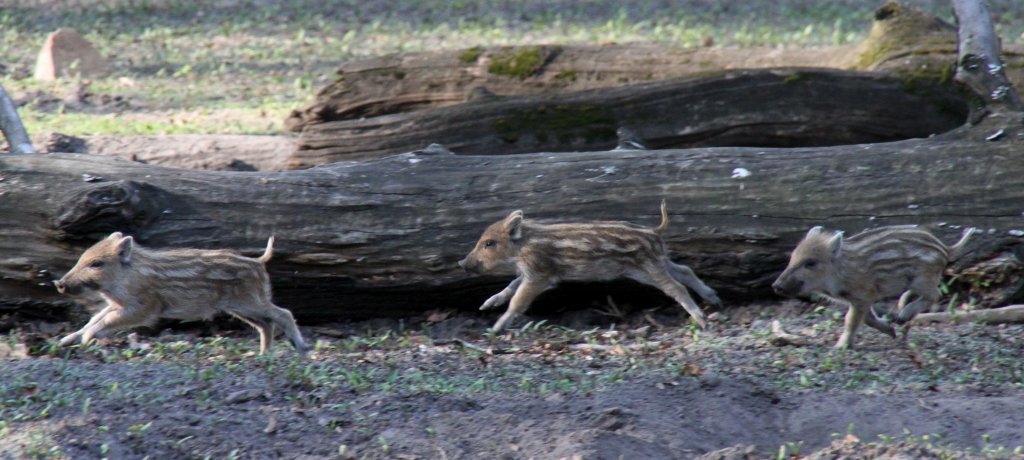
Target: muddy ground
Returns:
[[605, 383]]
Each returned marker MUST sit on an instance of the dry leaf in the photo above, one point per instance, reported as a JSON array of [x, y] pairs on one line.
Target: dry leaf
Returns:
[[271, 425], [692, 370], [916, 358], [436, 316]]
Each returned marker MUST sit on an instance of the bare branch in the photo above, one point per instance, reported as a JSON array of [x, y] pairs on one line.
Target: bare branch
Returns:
[[1007, 314], [12, 127]]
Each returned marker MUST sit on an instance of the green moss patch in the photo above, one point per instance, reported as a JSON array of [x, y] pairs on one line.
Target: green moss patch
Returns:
[[520, 62], [469, 56], [561, 123]]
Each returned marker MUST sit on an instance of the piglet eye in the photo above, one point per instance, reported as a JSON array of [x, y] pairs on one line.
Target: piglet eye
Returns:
[[96, 264], [490, 243], [811, 263]]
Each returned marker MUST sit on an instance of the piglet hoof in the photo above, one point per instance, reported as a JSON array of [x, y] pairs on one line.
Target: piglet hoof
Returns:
[[68, 339], [712, 298], [495, 301]]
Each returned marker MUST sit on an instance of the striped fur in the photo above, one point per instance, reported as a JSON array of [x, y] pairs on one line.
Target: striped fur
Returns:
[[142, 285], [542, 255], [874, 265]]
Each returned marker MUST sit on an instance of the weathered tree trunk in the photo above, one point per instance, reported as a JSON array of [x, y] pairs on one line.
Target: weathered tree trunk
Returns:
[[382, 236], [408, 82], [904, 41], [769, 108]]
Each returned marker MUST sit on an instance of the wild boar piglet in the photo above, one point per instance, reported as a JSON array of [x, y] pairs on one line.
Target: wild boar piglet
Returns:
[[877, 264], [142, 285], [542, 255]]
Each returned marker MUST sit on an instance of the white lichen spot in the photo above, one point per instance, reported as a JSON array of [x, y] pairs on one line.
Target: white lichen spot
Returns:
[[913, 206], [1016, 232], [991, 231], [605, 171], [872, 217], [413, 161], [740, 173]]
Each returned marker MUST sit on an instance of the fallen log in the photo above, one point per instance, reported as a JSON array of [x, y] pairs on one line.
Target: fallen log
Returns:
[[382, 237], [407, 82], [773, 108], [904, 41]]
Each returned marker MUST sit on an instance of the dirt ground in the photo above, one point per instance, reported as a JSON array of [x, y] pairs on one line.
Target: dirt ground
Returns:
[[593, 384]]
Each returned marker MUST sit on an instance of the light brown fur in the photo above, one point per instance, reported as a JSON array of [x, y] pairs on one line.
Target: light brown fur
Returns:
[[868, 267], [542, 255], [141, 285]]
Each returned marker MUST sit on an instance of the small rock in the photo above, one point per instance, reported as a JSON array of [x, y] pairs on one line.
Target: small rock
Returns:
[[67, 53], [644, 331], [709, 380], [243, 396], [332, 420], [613, 419]]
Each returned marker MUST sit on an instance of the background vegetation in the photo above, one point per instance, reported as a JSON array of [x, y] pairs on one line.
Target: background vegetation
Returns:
[[238, 66]]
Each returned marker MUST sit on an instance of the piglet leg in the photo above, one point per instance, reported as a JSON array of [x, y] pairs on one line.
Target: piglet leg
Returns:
[[528, 291], [70, 338], [502, 297]]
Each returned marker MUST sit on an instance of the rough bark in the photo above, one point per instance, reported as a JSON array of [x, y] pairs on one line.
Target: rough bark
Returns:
[[772, 108], [11, 126], [904, 41], [382, 236]]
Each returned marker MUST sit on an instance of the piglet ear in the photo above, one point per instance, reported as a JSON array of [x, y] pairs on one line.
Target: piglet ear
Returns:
[[115, 236], [835, 244], [513, 225], [124, 249]]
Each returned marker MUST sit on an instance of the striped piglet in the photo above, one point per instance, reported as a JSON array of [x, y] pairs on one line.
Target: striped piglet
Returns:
[[873, 265], [544, 254]]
